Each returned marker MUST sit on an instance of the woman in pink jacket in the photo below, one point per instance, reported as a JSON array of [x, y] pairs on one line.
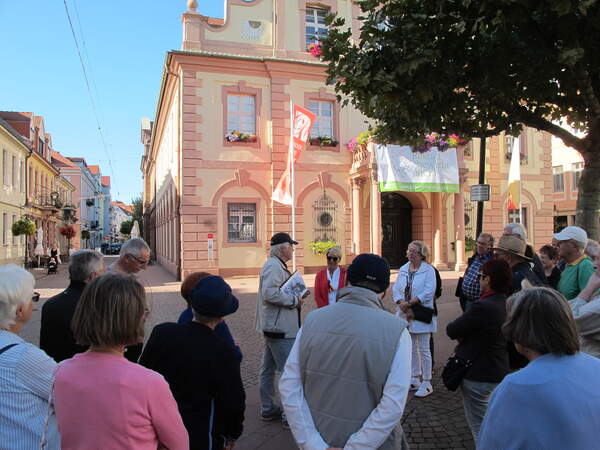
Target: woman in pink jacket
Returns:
[[330, 279], [102, 400]]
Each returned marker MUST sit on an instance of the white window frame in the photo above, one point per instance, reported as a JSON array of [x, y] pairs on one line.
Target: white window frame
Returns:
[[5, 167], [313, 14], [240, 214], [236, 116], [4, 229], [324, 125], [14, 180], [577, 169], [558, 179]]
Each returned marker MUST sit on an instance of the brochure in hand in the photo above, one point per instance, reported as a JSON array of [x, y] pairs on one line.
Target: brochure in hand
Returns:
[[294, 285]]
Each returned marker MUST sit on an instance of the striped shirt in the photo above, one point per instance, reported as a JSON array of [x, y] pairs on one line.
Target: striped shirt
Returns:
[[25, 384]]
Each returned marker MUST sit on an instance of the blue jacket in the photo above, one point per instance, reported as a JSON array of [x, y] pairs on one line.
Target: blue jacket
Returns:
[[552, 403]]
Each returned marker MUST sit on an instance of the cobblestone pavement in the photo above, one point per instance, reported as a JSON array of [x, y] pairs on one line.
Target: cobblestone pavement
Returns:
[[433, 422]]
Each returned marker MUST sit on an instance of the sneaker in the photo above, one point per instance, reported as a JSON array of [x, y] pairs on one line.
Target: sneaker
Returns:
[[284, 422], [415, 383], [277, 415], [424, 390]]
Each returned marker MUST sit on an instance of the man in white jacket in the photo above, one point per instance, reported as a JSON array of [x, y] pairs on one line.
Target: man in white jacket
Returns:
[[346, 379]]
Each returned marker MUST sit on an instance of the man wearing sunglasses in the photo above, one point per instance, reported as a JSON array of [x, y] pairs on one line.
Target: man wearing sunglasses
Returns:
[[134, 256]]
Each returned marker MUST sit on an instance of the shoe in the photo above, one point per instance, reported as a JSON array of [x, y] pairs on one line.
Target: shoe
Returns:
[[415, 383], [284, 422], [277, 415], [424, 390]]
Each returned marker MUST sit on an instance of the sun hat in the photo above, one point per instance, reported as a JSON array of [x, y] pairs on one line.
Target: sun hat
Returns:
[[514, 246]]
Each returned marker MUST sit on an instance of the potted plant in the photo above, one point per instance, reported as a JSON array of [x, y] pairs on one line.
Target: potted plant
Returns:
[[238, 136], [323, 141], [69, 233], [85, 234], [23, 226], [321, 247]]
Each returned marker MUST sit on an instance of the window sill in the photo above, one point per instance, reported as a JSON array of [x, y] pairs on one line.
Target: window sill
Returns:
[[319, 148], [226, 244], [255, 144]]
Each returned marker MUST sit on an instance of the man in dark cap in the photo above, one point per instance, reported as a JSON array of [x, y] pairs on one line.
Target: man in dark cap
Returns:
[[346, 379], [277, 318], [202, 370]]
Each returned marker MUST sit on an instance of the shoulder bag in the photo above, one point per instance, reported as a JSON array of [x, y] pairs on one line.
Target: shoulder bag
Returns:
[[454, 372]]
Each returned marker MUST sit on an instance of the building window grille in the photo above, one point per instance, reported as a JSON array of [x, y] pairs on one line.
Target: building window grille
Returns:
[[323, 125], [241, 222], [515, 217], [577, 169], [469, 219], [241, 114], [315, 25], [559, 179], [325, 219]]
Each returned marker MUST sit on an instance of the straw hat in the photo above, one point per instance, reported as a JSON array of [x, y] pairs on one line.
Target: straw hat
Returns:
[[514, 246]]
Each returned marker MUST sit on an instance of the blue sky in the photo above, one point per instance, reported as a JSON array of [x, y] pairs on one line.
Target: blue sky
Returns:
[[124, 51]]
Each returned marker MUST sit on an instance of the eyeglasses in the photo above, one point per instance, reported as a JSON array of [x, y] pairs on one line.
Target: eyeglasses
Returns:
[[140, 261], [332, 258], [35, 297]]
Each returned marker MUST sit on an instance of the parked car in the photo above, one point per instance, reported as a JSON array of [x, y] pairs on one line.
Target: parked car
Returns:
[[114, 248]]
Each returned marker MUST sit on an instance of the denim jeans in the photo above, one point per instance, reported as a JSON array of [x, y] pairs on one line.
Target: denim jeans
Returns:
[[274, 357], [476, 395]]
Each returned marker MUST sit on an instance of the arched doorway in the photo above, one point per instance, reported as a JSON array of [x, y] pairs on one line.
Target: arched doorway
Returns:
[[396, 223]]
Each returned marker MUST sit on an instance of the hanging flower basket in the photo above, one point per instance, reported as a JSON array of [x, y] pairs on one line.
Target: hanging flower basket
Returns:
[[23, 226], [68, 232], [321, 247], [323, 141], [238, 136], [315, 49], [442, 141]]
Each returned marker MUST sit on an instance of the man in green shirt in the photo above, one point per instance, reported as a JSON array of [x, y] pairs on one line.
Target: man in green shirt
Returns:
[[579, 268]]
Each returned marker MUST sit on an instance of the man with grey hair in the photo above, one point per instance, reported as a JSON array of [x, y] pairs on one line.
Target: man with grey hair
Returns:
[[56, 337], [579, 268], [134, 256], [278, 319], [517, 230]]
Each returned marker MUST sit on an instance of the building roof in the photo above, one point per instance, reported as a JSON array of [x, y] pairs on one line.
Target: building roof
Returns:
[[127, 208], [18, 136], [62, 161], [105, 181], [20, 121], [94, 169]]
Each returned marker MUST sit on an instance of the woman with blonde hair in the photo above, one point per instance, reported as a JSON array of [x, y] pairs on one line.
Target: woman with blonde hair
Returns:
[[102, 400], [556, 396], [414, 292], [25, 370], [330, 279]]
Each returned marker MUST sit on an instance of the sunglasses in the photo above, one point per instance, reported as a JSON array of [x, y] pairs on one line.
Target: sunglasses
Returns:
[[35, 297], [332, 258]]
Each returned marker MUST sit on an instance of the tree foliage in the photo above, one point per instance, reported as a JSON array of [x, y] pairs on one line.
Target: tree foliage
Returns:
[[126, 227], [476, 69]]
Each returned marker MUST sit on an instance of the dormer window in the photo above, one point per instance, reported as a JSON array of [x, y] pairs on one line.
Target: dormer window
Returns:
[[315, 24]]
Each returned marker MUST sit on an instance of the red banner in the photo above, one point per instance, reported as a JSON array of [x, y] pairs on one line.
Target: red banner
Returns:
[[300, 133]]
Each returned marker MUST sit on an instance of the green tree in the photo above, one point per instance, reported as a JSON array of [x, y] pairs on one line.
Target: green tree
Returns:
[[126, 227], [138, 213], [85, 235], [477, 69]]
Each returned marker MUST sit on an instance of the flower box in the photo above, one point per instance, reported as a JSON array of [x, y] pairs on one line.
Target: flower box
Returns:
[[237, 136], [323, 141]]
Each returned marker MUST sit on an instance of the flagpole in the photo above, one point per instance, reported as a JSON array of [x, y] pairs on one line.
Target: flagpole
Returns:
[[293, 181]]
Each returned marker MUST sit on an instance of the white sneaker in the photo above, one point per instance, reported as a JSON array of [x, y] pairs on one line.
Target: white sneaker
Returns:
[[415, 383], [424, 390]]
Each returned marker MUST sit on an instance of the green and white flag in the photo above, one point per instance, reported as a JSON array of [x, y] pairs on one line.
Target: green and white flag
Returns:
[[399, 168]]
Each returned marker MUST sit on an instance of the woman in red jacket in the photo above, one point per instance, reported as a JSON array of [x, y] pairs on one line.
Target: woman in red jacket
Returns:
[[330, 279]]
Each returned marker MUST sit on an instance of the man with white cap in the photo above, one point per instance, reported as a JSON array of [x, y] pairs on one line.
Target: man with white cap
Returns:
[[571, 245]]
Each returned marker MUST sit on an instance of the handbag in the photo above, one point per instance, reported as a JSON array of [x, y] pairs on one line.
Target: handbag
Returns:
[[422, 313], [458, 292], [454, 372]]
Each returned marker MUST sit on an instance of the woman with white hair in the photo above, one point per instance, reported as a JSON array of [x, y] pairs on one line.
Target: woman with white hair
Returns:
[[330, 279], [25, 371]]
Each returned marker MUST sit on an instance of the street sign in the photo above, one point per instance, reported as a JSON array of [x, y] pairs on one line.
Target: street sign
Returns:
[[480, 192]]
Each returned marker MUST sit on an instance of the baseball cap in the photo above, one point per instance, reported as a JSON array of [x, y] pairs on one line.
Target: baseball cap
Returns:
[[575, 233], [370, 268], [280, 238], [212, 297]]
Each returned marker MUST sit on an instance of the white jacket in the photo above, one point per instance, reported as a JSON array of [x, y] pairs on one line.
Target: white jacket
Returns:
[[423, 286]]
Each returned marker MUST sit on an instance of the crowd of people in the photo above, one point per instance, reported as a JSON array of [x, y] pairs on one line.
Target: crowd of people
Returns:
[[528, 340]]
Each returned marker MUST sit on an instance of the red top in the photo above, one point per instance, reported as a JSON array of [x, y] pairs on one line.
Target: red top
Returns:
[[322, 286]]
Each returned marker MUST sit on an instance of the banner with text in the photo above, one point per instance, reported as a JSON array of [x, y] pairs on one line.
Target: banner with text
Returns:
[[400, 168], [300, 133]]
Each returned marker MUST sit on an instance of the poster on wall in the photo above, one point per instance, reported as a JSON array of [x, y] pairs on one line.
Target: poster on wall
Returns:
[[402, 168]]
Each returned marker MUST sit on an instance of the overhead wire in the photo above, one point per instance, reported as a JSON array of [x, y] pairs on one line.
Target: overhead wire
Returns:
[[92, 102]]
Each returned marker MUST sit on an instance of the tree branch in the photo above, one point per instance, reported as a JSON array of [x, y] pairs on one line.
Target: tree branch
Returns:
[[540, 123]]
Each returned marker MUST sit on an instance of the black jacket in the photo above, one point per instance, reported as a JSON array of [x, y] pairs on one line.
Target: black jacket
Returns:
[[523, 271], [204, 375], [56, 337], [481, 339]]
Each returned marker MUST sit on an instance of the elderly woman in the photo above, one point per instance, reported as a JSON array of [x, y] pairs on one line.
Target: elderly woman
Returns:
[[330, 279], [554, 402], [25, 370], [481, 341], [413, 290], [549, 257], [586, 308], [102, 400], [187, 315]]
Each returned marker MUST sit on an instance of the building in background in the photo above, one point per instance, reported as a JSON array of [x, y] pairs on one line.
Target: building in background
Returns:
[[219, 143], [14, 151], [105, 210], [72, 173], [119, 213], [567, 165]]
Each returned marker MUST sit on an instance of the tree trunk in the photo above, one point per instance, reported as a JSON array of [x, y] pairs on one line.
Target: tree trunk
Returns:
[[588, 200]]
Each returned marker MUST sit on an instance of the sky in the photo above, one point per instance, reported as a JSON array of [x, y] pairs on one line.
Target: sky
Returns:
[[123, 45]]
